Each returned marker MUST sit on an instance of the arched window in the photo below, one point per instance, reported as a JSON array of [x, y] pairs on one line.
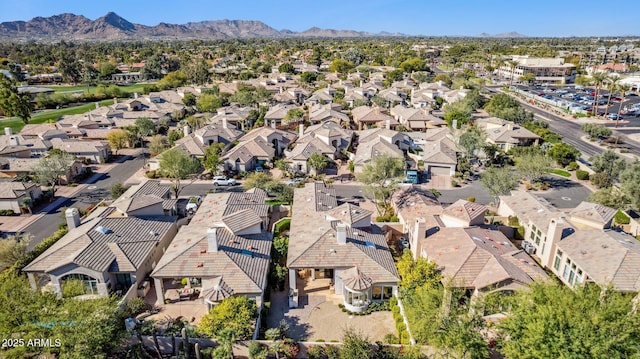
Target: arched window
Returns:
[[90, 283]]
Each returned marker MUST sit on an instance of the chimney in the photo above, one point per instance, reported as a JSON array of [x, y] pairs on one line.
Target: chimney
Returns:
[[8, 131], [388, 124], [13, 140], [73, 218], [510, 126], [97, 104], [557, 226], [341, 233], [115, 100], [419, 232], [135, 95], [301, 130], [212, 239], [273, 124], [224, 123], [187, 130]]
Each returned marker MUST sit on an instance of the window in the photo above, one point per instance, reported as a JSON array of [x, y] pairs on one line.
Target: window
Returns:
[[376, 293], [565, 274], [579, 276], [381, 292], [556, 262]]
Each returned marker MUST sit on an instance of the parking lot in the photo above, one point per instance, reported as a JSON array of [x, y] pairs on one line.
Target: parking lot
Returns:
[[580, 99]]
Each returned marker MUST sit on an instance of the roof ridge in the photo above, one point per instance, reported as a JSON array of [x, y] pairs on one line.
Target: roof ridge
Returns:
[[178, 254], [226, 253], [115, 245], [316, 240]]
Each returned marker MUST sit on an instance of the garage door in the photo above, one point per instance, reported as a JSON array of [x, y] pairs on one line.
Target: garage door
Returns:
[[435, 170]]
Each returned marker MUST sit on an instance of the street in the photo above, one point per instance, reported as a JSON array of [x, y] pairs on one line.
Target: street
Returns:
[[94, 193]]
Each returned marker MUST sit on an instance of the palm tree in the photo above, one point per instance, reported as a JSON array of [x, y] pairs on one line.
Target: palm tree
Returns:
[[512, 64], [611, 86], [599, 78], [623, 88]]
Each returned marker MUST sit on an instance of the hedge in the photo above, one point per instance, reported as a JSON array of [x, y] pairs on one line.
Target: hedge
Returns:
[[282, 226], [582, 175], [37, 251]]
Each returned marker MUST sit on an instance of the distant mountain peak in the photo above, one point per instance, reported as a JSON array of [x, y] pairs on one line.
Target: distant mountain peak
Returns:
[[112, 26], [512, 34]]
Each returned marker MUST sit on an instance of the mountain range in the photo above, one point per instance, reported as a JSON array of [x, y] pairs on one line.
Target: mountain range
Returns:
[[113, 27]]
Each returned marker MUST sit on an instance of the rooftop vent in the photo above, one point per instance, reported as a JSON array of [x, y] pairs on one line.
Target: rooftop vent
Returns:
[[200, 265], [477, 239], [153, 233]]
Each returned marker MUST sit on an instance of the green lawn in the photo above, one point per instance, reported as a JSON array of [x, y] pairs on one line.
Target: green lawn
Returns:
[[16, 124], [92, 89], [559, 172]]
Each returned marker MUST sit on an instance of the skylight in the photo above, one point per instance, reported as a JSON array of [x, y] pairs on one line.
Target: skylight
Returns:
[[103, 230], [246, 252], [477, 239], [370, 244]]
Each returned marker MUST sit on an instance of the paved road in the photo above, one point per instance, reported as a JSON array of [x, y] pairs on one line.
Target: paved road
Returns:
[[94, 193], [570, 131]]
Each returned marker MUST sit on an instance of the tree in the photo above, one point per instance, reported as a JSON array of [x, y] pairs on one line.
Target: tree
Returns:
[[209, 103], [294, 115], [599, 78], [198, 73], [459, 337], [380, 177], [177, 164], [563, 153], [51, 168], [286, 68], [443, 78], [146, 127], [506, 107], [624, 89], [528, 78], [608, 162], [341, 66], [212, 159], [512, 65], [499, 181], [472, 141], [419, 273], [173, 136], [118, 139], [355, 345], [236, 314], [610, 197], [318, 162], [630, 180], [12, 102], [83, 328], [457, 112], [189, 99], [551, 320], [256, 180], [596, 131], [157, 145], [13, 248], [533, 166], [308, 77], [118, 189]]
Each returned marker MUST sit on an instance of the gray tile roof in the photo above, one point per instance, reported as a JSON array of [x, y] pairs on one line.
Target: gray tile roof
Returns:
[[349, 213], [594, 212], [242, 261], [465, 210], [130, 239], [242, 219]]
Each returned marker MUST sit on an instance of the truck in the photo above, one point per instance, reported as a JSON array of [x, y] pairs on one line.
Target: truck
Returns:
[[411, 176]]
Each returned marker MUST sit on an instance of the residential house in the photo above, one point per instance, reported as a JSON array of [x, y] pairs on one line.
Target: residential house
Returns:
[[367, 117], [440, 152], [223, 251], [416, 119], [321, 97], [108, 252], [257, 147], [506, 134], [96, 151], [291, 96], [149, 198], [338, 243], [455, 95], [319, 114], [13, 194], [197, 142], [276, 114], [393, 96], [377, 141], [469, 254], [236, 116], [14, 167]]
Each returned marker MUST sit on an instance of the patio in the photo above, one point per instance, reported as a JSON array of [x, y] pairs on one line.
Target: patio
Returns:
[[319, 317], [191, 309]]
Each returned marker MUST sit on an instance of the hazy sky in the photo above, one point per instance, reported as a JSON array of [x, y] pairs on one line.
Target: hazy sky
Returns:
[[413, 17]]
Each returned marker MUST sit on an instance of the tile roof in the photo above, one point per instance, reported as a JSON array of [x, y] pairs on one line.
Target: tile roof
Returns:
[[98, 242], [349, 214], [465, 210], [240, 220], [479, 257], [594, 212], [131, 204], [313, 243], [304, 150], [442, 151], [607, 257], [14, 190], [242, 261]]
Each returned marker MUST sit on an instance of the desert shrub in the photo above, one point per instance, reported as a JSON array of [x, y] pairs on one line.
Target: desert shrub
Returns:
[[582, 175]]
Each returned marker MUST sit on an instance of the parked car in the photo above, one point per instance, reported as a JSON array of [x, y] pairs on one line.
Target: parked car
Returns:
[[223, 181], [613, 116], [194, 203], [294, 181], [259, 169]]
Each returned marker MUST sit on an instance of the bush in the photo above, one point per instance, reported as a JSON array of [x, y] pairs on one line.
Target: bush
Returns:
[[316, 352], [582, 175], [471, 199], [621, 218], [7, 212], [136, 306], [282, 226], [572, 166], [152, 174], [72, 288]]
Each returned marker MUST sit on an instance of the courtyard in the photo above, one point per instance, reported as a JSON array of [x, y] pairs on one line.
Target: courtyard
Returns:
[[318, 316]]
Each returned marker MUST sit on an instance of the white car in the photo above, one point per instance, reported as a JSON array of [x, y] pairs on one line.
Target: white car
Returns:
[[194, 203], [223, 181]]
